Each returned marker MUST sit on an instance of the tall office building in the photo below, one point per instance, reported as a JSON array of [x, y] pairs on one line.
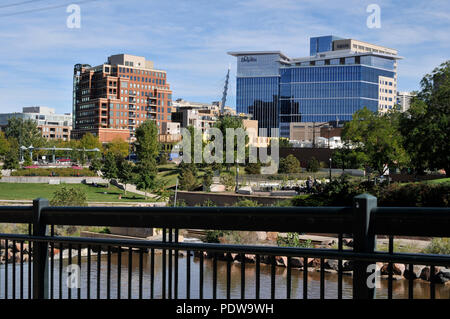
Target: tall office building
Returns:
[[112, 99], [341, 77], [404, 100]]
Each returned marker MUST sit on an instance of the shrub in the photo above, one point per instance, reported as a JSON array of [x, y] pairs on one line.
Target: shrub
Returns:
[[415, 194], [63, 172], [188, 180], [69, 196], [247, 203], [293, 240], [207, 180], [289, 165], [212, 236], [438, 246], [228, 180], [313, 165], [253, 168]]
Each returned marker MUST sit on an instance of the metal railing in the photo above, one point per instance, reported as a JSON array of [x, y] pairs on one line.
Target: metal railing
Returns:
[[41, 274]]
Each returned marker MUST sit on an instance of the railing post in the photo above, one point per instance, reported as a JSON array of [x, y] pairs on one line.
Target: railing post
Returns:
[[40, 252], [363, 242]]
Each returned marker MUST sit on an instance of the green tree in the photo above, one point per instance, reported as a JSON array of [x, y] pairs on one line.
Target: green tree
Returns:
[[110, 170], [96, 165], [145, 177], [284, 142], [89, 142], [225, 122], [207, 180], [118, 147], [348, 157], [187, 179], [4, 145], [289, 165], [378, 137], [313, 165], [147, 144], [12, 155], [125, 172], [426, 125], [25, 132], [253, 168], [27, 161]]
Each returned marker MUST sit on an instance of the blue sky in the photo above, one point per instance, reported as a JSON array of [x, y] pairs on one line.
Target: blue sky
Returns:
[[190, 39]]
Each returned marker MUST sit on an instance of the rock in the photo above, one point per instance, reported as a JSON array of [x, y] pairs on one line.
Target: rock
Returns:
[[284, 261], [330, 242], [347, 265], [266, 260], [414, 274], [2, 244], [280, 261], [261, 235], [314, 262], [441, 278], [425, 273], [394, 277], [331, 264], [397, 269], [347, 242], [10, 255], [200, 253], [445, 272], [272, 236], [249, 258], [296, 262]]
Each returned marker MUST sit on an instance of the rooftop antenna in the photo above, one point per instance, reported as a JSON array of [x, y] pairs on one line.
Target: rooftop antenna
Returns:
[[225, 90]]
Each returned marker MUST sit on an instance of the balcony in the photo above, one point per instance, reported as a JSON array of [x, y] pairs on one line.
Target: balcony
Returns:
[[166, 269]]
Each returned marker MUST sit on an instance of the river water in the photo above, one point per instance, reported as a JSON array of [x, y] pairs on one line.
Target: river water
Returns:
[[400, 287]]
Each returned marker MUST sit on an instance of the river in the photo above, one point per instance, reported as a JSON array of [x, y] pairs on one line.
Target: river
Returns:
[[400, 287]]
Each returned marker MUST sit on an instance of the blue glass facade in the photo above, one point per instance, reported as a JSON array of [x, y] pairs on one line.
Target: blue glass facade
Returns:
[[321, 44], [327, 93], [259, 96], [257, 88], [331, 87]]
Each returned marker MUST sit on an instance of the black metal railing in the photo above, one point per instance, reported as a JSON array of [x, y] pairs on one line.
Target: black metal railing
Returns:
[[36, 264]]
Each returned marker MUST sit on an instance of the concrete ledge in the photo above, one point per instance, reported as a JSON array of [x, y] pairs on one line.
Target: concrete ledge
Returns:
[[48, 179]]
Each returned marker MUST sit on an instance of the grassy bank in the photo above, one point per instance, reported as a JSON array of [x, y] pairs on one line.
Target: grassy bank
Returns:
[[28, 191]]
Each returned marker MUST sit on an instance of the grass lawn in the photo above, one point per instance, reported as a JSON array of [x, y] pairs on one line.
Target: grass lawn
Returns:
[[169, 174], [439, 181], [94, 194]]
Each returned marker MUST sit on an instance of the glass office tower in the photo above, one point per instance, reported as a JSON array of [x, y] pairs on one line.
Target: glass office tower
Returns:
[[321, 44], [329, 86], [257, 87], [332, 91]]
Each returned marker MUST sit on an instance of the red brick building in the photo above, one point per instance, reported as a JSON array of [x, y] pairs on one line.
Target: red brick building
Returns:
[[112, 99]]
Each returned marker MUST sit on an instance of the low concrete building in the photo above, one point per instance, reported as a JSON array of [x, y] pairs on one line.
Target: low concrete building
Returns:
[[53, 126]]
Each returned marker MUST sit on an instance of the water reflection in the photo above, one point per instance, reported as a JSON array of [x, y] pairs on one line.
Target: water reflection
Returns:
[[400, 287]]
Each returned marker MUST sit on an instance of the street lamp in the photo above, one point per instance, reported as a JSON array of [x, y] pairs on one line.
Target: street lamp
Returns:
[[330, 168], [237, 176]]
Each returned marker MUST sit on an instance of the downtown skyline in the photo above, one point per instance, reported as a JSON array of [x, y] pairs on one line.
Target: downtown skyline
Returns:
[[190, 42]]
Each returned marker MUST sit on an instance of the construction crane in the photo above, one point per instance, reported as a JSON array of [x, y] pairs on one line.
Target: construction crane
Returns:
[[225, 90]]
